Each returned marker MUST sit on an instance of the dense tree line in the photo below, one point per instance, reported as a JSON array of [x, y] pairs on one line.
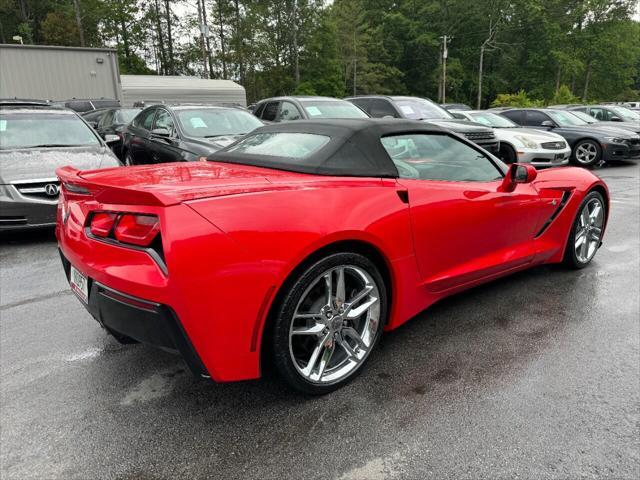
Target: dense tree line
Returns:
[[527, 50]]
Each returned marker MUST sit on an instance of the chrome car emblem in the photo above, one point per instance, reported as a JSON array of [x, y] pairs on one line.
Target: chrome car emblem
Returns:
[[51, 189]]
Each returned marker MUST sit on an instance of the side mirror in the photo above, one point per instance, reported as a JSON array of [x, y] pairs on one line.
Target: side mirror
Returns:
[[93, 124], [161, 132], [518, 173], [548, 124], [109, 138], [616, 119]]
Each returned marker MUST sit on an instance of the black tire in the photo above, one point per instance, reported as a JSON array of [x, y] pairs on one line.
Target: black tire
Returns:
[[571, 259], [286, 307], [578, 155], [507, 154]]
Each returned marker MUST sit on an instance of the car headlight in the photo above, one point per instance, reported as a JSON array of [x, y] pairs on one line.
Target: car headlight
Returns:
[[526, 142], [616, 139]]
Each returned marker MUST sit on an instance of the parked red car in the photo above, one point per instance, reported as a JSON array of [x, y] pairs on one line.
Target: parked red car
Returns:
[[300, 243]]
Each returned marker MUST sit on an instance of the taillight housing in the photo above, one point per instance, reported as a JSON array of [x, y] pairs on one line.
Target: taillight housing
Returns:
[[102, 224], [138, 229]]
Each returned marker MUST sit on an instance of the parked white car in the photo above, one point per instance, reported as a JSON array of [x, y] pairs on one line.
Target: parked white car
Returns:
[[522, 145]]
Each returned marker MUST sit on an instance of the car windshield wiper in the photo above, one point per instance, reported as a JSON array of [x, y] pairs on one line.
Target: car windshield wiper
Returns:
[[218, 135]]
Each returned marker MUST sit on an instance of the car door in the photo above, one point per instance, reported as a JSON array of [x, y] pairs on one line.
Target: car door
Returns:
[[270, 111], [464, 227], [105, 122], [288, 112], [164, 148], [137, 142]]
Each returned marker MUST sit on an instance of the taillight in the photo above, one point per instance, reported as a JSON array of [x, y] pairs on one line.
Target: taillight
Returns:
[[136, 229], [102, 223]]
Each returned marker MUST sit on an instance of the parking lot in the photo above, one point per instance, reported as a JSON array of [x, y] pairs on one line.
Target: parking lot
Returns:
[[532, 376]]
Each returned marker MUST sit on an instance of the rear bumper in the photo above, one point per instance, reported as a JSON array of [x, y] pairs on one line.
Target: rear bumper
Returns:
[[145, 321]]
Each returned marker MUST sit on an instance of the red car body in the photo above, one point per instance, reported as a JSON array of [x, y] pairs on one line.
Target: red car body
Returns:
[[232, 235]]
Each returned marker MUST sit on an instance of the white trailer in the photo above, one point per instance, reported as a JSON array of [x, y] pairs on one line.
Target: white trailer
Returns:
[[169, 89]]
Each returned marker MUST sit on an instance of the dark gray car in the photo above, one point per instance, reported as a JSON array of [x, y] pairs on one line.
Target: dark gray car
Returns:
[[34, 142]]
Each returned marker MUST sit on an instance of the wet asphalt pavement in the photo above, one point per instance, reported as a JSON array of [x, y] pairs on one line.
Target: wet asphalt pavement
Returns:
[[533, 376]]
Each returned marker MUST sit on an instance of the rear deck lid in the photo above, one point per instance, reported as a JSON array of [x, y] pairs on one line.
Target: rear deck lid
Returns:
[[170, 183]]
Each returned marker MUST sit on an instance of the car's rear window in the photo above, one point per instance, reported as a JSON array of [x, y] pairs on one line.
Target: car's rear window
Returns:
[[33, 130], [280, 144]]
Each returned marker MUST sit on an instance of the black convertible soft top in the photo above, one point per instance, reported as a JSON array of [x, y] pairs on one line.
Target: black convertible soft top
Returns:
[[354, 148]]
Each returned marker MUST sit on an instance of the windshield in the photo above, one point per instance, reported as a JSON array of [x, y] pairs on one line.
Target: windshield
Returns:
[[566, 119], [125, 115], [38, 129], [331, 109], [421, 109], [585, 117], [280, 144], [217, 122], [492, 120], [626, 114]]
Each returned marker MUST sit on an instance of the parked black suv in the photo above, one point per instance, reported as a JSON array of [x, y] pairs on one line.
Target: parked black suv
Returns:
[[589, 145], [163, 133], [285, 109], [416, 108]]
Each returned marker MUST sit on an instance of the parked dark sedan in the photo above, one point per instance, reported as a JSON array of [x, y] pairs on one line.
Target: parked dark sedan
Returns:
[[36, 140], [603, 117], [415, 108], [286, 109], [163, 133], [113, 122], [589, 145]]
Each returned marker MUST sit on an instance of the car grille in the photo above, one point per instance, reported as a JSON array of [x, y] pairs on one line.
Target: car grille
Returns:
[[554, 145], [475, 136], [634, 141], [41, 189]]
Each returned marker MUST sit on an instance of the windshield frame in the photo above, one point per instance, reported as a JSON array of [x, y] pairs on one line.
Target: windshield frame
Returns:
[[397, 101], [510, 123], [230, 111], [64, 114], [582, 116], [555, 114]]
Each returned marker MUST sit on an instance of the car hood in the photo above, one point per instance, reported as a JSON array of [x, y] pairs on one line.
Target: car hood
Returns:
[[41, 163], [634, 127], [530, 133], [596, 131], [461, 126]]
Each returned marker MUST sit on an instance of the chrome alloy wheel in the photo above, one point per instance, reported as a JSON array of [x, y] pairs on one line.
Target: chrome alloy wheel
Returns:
[[589, 230], [335, 324], [586, 153]]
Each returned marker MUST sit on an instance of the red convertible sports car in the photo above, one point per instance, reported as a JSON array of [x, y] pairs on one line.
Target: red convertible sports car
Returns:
[[300, 243]]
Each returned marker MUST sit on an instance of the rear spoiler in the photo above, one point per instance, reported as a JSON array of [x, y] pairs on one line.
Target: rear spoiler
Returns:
[[74, 186]]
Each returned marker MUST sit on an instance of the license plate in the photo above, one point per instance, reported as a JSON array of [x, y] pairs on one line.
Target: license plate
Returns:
[[79, 285]]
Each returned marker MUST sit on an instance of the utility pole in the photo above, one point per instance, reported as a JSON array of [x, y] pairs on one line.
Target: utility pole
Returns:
[[203, 33], [355, 62], [480, 77], [445, 53]]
